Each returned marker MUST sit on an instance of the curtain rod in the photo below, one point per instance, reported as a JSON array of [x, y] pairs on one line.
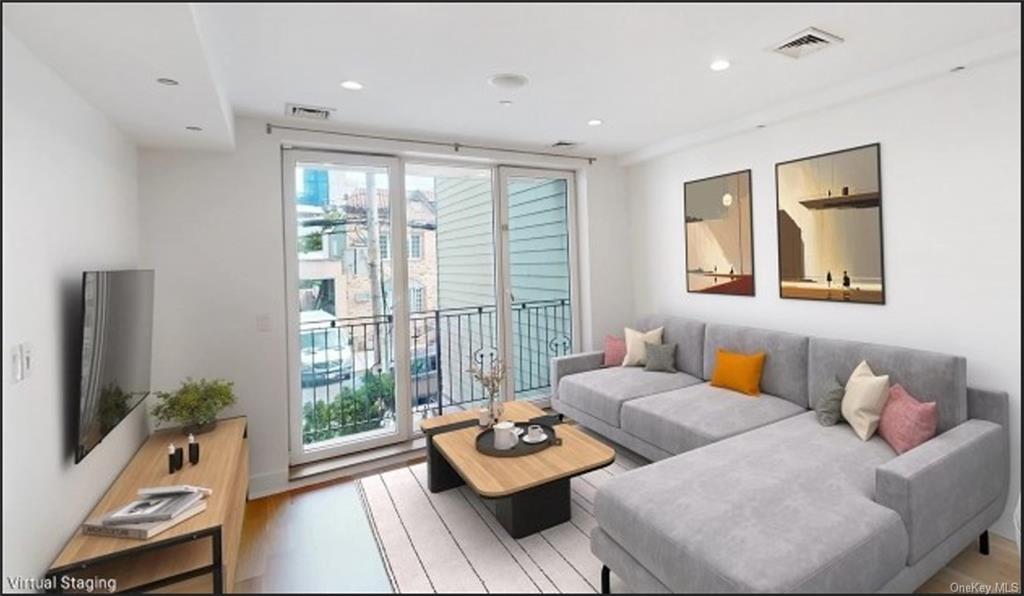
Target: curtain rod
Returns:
[[454, 146]]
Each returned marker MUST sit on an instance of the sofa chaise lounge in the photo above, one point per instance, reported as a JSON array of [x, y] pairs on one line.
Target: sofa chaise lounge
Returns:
[[754, 495]]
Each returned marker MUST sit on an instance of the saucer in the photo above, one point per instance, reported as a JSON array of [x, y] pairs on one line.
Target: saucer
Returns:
[[543, 437]]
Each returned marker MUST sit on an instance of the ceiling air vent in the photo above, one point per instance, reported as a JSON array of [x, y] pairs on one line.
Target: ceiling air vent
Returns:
[[307, 112], [564, 145], [806, 42]]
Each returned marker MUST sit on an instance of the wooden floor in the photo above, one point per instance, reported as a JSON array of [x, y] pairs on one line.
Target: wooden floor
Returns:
[[313, 540], [1000, 570]]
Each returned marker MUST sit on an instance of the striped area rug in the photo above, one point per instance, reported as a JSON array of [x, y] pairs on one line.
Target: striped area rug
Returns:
[[451, 542]]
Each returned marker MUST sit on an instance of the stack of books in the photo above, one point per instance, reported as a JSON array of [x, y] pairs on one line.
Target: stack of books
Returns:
[[156, 510]]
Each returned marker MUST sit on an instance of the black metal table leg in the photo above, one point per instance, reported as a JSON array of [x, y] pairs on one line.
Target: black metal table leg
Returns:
[[218, 563], [606, 580], [535, 509], [983, 543]]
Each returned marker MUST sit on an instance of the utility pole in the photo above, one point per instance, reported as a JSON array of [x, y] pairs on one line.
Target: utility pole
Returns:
[[373, 266]]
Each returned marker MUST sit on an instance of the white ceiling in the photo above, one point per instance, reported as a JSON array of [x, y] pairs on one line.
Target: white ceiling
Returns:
[[643, 69], [113, 54]]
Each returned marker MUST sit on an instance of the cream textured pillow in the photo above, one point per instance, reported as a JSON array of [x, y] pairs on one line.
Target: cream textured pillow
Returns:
[[636, 348], [864, 400]]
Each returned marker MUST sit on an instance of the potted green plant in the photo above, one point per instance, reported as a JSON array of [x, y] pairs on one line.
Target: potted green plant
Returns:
[[195, 405]]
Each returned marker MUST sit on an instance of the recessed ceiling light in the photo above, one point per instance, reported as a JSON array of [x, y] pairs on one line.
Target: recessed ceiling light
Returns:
[[167, 81], [508, 80], [505, 103], [194, 128], [720, 65], [595, 122], [352, 85]]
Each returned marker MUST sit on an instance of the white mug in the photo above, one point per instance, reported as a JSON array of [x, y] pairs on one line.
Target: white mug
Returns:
[[484, 415], [505, 436]]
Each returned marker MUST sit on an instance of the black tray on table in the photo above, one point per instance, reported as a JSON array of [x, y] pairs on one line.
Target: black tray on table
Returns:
[[485, 442]]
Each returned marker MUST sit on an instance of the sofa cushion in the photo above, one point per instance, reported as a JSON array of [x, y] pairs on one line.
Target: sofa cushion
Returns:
[[786, 507], [930, 376], [785, 365], [699, 415], [636, 345], [907, 422], [602, 392], [687, 334], [864, 400], [829, 405], [739, 372], [614, 350], [661, 358]]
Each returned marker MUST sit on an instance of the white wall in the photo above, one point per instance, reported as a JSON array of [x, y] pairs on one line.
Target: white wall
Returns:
[[69, 204], [951, 226], [212, 228], [606, 253]]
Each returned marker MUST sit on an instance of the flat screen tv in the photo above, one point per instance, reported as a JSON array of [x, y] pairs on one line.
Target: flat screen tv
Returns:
[[117, 340]]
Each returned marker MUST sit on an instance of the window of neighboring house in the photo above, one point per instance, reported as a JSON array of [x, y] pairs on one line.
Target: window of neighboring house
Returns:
[[385, 247], [416, 246], [317, 294], [417, 298]]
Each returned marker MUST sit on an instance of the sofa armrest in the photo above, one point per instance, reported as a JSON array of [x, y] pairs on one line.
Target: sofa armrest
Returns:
[[993, 406], [944, 483], [562, 366]]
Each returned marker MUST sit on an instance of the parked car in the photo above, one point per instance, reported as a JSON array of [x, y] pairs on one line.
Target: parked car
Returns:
[[326, 351]]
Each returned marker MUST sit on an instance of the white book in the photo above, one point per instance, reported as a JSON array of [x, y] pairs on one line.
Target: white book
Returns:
[[177, 489], [142, 531], [153, 509]]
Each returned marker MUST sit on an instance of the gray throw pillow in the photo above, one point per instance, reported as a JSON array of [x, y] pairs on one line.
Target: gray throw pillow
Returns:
[[829, 406], [661, 358]]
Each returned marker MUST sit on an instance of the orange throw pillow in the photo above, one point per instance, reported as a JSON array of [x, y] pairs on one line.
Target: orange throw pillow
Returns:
[[739, 372]]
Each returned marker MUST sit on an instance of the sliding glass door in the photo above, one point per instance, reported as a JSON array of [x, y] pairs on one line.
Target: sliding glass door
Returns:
[[539, 257], [452, 284], [404, 276], [349, 388]]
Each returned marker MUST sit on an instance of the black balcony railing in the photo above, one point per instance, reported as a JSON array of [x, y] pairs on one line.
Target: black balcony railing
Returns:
[[347, 364]]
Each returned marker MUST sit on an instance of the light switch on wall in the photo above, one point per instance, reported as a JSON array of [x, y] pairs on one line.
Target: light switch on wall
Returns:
[[21, 362], [27, 361], [17, 368]]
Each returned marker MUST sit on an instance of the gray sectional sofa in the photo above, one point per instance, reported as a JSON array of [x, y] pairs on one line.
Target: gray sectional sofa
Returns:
[[754, 495]]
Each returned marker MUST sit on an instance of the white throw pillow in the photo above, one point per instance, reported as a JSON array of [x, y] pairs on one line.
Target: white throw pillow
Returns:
[[636, 345], [865, 398]]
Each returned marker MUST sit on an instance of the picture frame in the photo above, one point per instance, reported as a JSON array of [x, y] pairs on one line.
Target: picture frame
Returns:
[[718, 231], [829, 226]]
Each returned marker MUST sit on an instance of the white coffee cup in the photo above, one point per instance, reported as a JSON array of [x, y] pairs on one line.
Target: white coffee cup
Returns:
[[535, 432], [484, 417], [505, 436]]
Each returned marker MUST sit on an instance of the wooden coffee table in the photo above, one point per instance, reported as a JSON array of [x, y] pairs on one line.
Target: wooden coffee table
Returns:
[[530, 493]]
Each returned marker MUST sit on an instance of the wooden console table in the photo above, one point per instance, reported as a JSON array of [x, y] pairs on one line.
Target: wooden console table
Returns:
[[197, 555]]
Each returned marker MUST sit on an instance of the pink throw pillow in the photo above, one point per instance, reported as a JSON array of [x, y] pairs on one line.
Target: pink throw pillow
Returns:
[[907, 422], [614, 350]]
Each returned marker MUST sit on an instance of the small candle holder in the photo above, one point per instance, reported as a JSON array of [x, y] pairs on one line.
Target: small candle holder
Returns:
[[175, 458], [193, 450]]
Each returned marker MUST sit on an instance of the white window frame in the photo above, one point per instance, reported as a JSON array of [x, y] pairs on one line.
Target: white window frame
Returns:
[[505, 296], [298, 453]]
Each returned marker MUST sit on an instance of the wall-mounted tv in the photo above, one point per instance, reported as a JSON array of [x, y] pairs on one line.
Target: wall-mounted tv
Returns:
[[117, 339]]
